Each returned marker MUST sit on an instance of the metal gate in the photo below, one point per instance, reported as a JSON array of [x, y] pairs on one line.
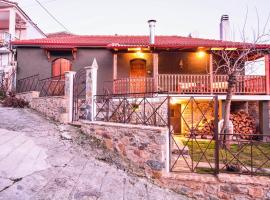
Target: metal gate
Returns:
[[79, 95], [193, 145]]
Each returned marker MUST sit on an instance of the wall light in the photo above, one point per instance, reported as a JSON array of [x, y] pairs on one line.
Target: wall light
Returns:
[[200, 54], [139, 54]]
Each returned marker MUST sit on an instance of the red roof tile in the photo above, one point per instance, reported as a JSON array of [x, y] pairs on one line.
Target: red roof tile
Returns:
[[129, 41]]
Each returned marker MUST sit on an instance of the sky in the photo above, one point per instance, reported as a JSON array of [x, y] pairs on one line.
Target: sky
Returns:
[[124, 17]]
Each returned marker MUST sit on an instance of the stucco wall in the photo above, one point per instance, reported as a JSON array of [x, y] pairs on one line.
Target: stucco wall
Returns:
[[169, 63], [34, 61], [123, 63]]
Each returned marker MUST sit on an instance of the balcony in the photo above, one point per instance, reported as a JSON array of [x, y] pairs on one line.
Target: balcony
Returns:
[[190, 84], [4, 39]]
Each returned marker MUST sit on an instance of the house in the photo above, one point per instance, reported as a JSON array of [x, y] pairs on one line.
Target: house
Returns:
[[15, 24], [164, 65]]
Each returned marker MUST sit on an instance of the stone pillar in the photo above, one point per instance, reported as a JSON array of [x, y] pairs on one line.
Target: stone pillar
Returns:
[[91, 90], [69, 78], [264, 117]]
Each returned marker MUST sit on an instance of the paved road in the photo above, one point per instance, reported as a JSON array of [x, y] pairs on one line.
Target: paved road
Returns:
[[36, 163]]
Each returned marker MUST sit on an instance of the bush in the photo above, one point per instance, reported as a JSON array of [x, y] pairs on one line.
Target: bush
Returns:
[[12, 101], [2, 94]]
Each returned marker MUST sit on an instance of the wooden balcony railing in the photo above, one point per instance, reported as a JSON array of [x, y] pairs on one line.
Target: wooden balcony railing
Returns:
[[133, 85], [191, 84]]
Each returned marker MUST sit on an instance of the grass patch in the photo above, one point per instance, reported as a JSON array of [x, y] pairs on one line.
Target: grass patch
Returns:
[[259, 152]]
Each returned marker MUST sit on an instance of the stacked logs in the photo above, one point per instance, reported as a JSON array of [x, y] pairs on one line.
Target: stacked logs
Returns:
[[207, 129], [243, 124]]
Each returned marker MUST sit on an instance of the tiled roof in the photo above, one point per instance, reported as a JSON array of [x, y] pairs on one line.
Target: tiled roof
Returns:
[[121, 41]]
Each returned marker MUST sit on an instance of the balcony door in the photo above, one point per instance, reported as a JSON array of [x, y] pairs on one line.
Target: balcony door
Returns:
[[137, 76]]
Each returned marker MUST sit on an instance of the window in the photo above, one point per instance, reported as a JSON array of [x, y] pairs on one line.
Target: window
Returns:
[[60, 66]]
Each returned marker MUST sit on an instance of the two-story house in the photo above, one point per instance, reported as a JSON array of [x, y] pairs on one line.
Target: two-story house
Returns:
[[15, 24], [172, 65]]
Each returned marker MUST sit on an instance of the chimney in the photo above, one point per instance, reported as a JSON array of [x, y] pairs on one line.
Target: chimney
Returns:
[[152, 24], [225, 28]]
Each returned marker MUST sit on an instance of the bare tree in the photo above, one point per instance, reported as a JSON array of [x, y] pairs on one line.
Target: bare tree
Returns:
[[232, 60]]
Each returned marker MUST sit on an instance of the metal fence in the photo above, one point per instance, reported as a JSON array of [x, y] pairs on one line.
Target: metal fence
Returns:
[[52, 86], [190, 150]]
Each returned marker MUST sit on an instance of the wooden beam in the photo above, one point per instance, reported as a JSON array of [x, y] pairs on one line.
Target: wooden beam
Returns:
[[211, 72], [267, 73], [114, 66], [155, 71]]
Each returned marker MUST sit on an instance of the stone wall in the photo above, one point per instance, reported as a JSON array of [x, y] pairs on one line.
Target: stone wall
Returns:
[[54, 107], [222, 186], [28, 96], [144, 147]]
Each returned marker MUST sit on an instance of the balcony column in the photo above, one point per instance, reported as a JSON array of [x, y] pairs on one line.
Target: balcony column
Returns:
[[211, 72], [264, 117], [155, 71], [12, 23], [114, 71], [114, 66], [267, 73]]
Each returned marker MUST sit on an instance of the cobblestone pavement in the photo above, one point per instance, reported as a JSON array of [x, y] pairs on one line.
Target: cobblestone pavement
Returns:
[[38, 160]]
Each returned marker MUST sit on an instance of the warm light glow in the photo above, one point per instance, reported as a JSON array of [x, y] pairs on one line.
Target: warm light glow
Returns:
[[216, 48], [134, 49], [231, 49], [200, 54], [139, 54], [173, 101]]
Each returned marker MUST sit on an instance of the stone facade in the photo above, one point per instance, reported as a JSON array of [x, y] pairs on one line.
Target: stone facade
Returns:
[[28, 96], [144, 147], [222, 186], [52, 107], [55, 107]]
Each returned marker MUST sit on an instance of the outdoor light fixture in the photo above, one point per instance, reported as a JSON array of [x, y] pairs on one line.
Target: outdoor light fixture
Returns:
[[200, 54], [139, 54]]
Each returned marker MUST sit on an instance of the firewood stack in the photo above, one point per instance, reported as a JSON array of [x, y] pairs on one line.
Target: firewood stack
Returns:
[[207, 129], [243, 124]]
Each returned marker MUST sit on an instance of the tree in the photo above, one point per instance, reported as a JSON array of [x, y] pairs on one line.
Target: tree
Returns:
[[232, 60]]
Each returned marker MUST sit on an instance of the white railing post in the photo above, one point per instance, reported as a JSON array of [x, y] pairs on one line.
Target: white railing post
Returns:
[[69, 81], [91, 90]]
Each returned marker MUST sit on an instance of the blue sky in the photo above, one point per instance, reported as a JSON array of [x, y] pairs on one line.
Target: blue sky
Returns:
[[175, 17]]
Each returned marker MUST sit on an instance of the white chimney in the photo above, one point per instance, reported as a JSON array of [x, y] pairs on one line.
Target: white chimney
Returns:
[[152, 24], [225, 28]]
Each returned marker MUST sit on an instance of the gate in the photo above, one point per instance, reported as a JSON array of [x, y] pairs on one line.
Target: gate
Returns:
[[193, 130], [79, 95]]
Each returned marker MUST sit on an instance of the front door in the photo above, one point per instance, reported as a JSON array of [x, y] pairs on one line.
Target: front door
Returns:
[[137, 76]]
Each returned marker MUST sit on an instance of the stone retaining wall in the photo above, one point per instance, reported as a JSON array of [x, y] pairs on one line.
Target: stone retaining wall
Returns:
[[143, 147], [54, 107], [28, 96]]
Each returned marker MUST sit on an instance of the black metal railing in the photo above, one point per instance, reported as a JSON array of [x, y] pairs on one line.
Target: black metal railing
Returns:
[[136, 108], [196, 146], [52, 86], [27, 84], [248, 155]]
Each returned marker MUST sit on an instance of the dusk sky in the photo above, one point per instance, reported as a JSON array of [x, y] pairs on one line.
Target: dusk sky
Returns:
[[174, 17]]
